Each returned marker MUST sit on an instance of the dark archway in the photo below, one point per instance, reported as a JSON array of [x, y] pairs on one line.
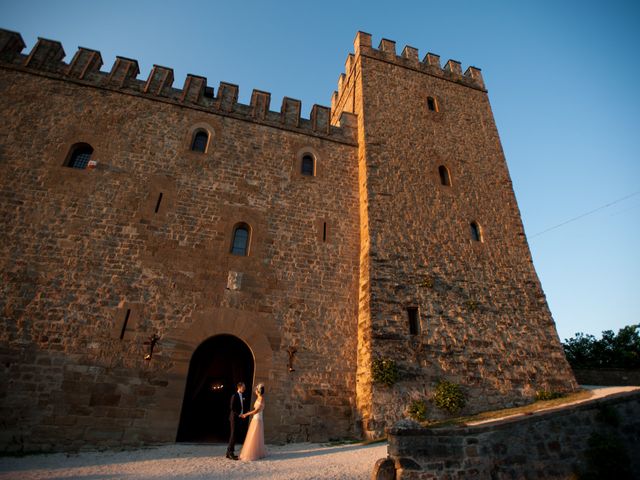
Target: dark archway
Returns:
[[216, 366]]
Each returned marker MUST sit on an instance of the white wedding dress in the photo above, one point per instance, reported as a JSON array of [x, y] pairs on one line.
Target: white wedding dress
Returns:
[[253, 447]]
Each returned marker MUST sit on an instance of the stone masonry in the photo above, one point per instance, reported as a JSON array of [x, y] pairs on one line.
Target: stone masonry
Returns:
[[94, 261], [599, 438], [480, 303]]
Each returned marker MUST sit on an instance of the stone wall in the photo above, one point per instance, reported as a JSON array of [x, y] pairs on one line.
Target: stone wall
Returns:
[[483, 320], [82, 247], [600, 438], [95, 261]]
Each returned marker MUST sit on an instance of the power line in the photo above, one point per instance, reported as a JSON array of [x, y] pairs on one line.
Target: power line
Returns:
[[625, 210], [585, 214]]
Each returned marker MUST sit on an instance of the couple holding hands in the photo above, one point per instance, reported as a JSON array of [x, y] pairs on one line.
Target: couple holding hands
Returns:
[[253, 447]]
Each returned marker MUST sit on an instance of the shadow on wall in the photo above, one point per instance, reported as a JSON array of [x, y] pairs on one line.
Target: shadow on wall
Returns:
[[608, 377]]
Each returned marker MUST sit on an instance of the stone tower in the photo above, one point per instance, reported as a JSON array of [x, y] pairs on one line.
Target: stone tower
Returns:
[[447, 285], [258, 246]]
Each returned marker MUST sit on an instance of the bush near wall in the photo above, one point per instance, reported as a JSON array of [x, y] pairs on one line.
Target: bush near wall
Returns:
[[384, 371], [449, 397]]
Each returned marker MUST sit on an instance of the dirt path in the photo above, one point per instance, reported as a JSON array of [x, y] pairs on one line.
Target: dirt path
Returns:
[[596, 392]]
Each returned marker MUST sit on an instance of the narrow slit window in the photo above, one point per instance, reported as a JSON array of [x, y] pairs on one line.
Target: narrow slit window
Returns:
[[200, 140], [308, 165], [324, 232], [414, 320], [476, 232], [445, 176], [124, 323], [79, 156], [240, 245], [432, 104], [158, 203]]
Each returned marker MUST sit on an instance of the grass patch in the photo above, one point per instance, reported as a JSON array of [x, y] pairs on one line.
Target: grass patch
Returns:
[[374, 440], [354, 441], [338, 443], [507, 412]]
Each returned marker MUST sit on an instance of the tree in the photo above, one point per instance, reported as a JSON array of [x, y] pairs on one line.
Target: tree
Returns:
[[611, 351]]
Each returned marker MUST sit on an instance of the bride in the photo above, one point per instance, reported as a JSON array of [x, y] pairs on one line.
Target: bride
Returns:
[[253, 447]]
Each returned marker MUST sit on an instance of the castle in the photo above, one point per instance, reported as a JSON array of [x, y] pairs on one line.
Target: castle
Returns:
[[160, 244]]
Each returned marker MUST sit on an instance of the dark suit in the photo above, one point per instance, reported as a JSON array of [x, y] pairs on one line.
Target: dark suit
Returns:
[[235, 409]]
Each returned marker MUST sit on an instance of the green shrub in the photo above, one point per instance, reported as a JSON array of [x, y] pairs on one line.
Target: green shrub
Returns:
[[418, 410], [384, 371], [472, 305], [544, 395], [428, 282], [449, 397]]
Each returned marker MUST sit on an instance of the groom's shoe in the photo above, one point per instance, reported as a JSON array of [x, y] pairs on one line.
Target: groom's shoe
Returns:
[[231, 456]]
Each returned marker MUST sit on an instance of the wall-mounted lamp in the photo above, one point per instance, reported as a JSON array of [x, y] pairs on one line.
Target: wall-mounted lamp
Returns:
[[292, 352], [153, 340]]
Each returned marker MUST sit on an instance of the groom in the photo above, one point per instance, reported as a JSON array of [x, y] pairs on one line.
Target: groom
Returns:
[[236, 408]]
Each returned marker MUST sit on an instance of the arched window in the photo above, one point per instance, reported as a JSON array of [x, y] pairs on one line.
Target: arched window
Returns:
[[445, 176], [432, 104], [308, 165], [241, 238], [79, 155], [476, 232], [200, 140]]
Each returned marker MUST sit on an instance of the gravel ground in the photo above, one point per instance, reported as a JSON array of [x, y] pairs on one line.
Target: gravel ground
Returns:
[[196, 461], [299, 461]]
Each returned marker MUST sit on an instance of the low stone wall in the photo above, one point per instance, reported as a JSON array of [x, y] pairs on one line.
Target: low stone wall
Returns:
[[607, 377], [600, 438]]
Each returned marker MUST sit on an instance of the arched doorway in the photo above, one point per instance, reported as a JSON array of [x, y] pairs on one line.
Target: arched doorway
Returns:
[[216, 366]]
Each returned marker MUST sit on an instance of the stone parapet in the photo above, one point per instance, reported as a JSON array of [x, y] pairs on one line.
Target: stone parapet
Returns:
[[409, 58], [46, 58], [551, 444]]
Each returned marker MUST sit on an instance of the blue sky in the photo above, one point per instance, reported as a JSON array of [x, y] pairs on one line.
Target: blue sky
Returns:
[[562, 79]]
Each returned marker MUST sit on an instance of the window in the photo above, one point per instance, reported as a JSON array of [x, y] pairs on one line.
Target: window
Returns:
[[414, 320], [432, 104], [308, 165], [200, 140], [80, 155], [476, 232], [445, 176], [241, 235]]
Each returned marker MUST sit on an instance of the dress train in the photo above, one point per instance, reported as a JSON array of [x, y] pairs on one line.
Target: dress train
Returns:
[[253, 447]]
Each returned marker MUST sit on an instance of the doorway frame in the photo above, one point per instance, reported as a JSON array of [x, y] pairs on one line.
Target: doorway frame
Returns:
[[180, 343]]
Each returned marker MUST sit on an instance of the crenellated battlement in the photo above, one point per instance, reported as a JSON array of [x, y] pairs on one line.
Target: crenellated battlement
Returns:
[[452, 70], [408, 58], [46, 58]]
